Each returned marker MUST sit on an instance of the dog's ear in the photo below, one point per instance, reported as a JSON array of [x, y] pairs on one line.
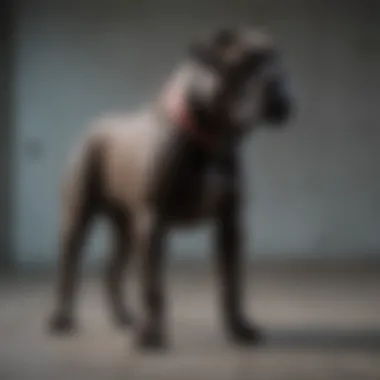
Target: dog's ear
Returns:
[[224, 39], [214, 50]]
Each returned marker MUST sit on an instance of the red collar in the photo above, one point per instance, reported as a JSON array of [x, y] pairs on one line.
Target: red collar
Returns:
[[178, 111]]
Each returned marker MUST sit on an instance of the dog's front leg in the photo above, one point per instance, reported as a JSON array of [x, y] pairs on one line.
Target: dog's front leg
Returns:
[[151, 233], [229, 255], [229, 266]]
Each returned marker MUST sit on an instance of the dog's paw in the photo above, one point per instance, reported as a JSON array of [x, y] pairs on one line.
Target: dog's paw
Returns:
[[244, 333], [60, 324], [123, 320], [150, 339]]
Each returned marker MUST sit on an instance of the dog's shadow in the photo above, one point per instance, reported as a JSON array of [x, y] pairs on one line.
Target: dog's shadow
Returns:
[[327, 340]]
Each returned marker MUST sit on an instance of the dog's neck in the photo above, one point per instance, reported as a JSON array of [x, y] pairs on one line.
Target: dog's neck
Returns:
[[183, 114]]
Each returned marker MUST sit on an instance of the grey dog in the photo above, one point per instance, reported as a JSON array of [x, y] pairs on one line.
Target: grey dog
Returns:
[[173, 163]]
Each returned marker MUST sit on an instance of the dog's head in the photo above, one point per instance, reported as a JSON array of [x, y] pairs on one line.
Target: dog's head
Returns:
[[238, 81]]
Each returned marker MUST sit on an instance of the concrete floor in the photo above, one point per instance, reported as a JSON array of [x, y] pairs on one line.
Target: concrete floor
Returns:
[[320, 325]]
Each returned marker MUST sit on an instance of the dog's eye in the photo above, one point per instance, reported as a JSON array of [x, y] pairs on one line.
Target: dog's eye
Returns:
[[248, 66], [258, 58], [244, 70]]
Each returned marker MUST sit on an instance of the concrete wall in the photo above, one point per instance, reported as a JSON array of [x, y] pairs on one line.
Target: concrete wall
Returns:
[[5, 134], [311, 190]]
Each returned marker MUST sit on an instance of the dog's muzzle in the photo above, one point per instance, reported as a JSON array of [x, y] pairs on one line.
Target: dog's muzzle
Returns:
[[277, 102]]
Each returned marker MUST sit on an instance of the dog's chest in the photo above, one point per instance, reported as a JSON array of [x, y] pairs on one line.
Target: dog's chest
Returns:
[[190, 187]]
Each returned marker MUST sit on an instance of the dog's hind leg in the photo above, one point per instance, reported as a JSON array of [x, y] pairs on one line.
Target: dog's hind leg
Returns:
[[72, 240], [117, 265], [150, 236], [81, 203]]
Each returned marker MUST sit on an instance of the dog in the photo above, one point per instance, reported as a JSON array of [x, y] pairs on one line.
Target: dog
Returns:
[[175, 162]]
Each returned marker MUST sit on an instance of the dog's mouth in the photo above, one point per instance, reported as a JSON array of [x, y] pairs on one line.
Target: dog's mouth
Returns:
[[269, 103]]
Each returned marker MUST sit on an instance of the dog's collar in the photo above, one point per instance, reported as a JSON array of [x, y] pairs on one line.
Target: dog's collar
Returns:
[[178, 110]]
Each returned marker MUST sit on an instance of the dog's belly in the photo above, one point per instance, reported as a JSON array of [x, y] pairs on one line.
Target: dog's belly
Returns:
[[195, 198]]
